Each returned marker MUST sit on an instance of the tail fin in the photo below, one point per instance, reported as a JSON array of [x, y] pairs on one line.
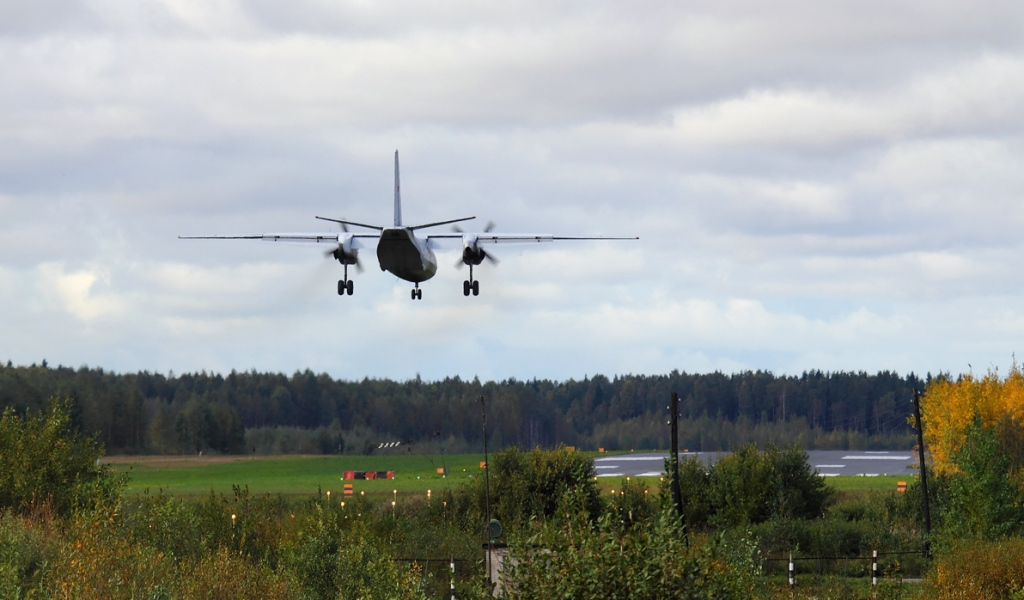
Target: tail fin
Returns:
[[398, 195]]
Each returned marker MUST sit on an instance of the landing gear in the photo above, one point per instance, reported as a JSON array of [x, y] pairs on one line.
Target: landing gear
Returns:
[[345, 285], [470, 285], [417, 293]]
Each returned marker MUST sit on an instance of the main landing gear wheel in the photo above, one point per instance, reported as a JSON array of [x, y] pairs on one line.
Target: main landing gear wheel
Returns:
[[471, 285], [345, 285]]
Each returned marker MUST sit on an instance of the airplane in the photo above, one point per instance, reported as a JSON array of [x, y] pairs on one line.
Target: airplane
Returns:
[[401, 251]]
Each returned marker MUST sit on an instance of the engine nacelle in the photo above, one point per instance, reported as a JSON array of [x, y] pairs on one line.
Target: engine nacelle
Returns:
[[346, 253], [472, 253]]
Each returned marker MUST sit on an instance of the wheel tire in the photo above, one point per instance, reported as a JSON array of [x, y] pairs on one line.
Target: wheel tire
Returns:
[[351, 286], [341, 287], [476, 288], [419, 294], [465, 288], [413, 294]]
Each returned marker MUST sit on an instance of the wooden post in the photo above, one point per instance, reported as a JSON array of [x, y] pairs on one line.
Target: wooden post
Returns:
[[926, 546]]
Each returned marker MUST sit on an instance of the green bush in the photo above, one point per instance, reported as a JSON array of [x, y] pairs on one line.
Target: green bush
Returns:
[[193, 529], [982, 498], [367, 570], [47, 462], [632, 503], [607, 561], [749, 486], [525, 485]]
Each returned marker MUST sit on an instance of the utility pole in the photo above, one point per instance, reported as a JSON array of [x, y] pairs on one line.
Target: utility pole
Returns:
[[487, 492], [926, 547], [677, 492]]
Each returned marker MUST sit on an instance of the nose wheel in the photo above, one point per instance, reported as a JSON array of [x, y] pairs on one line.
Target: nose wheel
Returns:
[[417, 293], [471, 285], [345, 286]]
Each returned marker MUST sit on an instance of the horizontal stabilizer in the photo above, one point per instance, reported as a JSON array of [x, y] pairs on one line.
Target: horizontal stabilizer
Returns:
[[442, 223], [353, 223]]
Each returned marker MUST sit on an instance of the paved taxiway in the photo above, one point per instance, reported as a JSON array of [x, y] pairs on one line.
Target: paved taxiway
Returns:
[[827, 462]]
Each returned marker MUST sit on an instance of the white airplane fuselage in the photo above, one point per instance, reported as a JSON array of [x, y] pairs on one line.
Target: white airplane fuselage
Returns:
[[406, 256]]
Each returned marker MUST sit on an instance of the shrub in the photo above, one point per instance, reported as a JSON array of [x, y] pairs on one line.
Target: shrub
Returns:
[[46, 461], [532, 484], [188, 530], [224, 575], [749, 486], [647, 561], [980, 570], [26, 546], [632, 503], [95, 562], [982, 497], [366, 570], [314, 557]]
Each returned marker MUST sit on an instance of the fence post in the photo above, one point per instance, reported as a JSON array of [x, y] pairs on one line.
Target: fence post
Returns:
[[926, 547], [874, 573], [792, 575], [453, 577]]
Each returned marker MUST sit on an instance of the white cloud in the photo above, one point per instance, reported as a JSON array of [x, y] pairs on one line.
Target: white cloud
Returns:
[[813, 183], [77, 292]]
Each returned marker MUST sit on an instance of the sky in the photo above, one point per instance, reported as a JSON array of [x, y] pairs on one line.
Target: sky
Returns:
[[815, 185]]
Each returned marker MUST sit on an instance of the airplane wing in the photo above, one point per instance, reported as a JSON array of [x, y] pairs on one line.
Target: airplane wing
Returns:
[[469, 238], [288, 238]]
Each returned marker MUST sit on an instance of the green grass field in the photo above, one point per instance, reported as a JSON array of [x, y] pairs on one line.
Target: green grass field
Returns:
[[881, 482], [293, 475], [302, 475]]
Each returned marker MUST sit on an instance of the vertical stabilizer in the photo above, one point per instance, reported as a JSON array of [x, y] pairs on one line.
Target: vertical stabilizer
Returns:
[[398, 195]]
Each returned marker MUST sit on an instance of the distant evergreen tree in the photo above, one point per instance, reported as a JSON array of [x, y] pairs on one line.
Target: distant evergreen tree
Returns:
[[192, 412]]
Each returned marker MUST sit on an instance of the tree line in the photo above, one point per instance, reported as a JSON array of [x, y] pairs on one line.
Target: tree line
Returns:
[[306, 412]]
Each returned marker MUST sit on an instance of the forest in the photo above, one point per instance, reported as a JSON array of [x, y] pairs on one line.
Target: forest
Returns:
[[270, 413]]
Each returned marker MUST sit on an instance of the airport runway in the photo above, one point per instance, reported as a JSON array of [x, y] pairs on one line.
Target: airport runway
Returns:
[[828, 463]]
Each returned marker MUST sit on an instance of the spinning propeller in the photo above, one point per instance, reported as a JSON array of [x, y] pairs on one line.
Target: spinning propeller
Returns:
[[472, 253], [344, 252]]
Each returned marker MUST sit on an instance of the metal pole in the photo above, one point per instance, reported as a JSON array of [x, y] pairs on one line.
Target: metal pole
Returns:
[[792, 574], [874, 573], [453, 577], [926, 546], [487, 492], [677, 493]]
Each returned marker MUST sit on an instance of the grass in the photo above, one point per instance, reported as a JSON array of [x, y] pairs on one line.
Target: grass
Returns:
[[293, 475], [881, 482], [302, 475]]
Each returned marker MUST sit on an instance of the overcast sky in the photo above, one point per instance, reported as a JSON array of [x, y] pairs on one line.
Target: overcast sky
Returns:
[[816, 185]]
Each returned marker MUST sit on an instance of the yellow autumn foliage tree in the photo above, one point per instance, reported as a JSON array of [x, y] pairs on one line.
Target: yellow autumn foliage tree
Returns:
[[948, 407]]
